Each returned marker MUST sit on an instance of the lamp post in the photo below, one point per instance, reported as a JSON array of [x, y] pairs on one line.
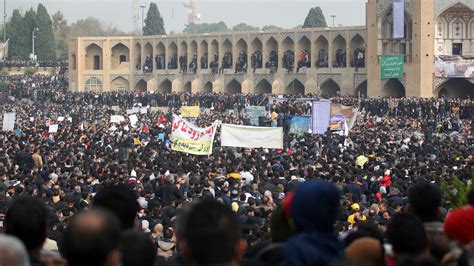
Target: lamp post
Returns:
[[33, 43], [143, 17], [333, 17]]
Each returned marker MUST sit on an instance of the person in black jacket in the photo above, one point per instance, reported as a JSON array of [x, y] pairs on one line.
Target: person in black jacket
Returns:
[[168, 191]]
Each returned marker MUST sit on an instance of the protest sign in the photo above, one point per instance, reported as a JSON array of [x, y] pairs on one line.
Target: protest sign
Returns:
[[53, 128], [191, 139], [9, 120], [190, 111], [251, 137], [117, 119], [321, 114], [300, 125]]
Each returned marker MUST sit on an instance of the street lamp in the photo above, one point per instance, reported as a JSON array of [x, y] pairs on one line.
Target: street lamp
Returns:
[[333, 17], [143, 17], [33, 43]]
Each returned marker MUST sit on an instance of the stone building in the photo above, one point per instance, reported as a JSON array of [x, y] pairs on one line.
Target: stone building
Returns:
[[325, 61]]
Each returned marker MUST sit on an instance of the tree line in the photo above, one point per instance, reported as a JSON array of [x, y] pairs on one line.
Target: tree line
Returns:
[[53, 32]]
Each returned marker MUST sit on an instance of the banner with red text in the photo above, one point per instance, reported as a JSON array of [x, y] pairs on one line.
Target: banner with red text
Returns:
[[188, 138]]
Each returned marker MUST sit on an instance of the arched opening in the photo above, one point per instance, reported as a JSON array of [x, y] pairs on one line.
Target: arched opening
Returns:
[[339, 50], [183, 48], [160, 58], [242, 58], [456, 88], [93, 57], [295, 88], [322, 48], [233, 87], [173, 56], [204, 50], [256, 57], [304, 53], [271, 61], [138, 56], [148, 64], [263, 87], [227, 57], [72, 62], [165, 86], [141, 86], [361, 90], [288, 59], [193, 60], [329, 89], [207, 87], [214, 50], [187, 87], [119, 84], [393, 88], [93, 84], [120, 54], [357, 48]]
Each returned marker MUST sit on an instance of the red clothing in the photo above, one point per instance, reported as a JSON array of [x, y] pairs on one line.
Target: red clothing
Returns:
[[386, 181]]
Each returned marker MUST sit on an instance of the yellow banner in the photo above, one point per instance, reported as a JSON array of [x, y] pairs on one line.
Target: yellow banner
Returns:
[[191, 146], [190, 111]]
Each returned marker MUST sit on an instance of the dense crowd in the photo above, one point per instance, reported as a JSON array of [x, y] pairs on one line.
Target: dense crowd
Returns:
[[29, 63], [101, 193]]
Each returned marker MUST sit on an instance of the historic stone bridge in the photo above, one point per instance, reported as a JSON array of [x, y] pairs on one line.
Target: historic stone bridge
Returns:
[[317, 60]]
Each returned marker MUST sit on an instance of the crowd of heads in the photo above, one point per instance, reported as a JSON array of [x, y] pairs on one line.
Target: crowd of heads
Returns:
[[340, 59], [102, 193], [9, 64]]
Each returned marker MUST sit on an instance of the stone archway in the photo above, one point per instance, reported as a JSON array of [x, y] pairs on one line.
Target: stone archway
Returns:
[[233, 87], [393, 88], [120, 56], [207, 87], [362, 88], [263, 87], [119, 84], [329, 89], [141, 86], [295, 88], [94, 55], [456, 88], [165, 86], [187, 87]]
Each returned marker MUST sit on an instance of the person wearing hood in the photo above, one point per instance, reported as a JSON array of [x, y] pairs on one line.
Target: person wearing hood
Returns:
[[314, 211], [166, 245]]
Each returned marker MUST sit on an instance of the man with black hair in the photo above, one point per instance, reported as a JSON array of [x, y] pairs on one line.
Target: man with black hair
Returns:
[[218, 239], [136, 248], [27, 219], [407, 236], [91, 238], [119, 200], [425, 200]]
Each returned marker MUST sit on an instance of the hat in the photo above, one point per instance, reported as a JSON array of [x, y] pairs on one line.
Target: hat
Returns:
[[235, 206], [365, 250], [355, 207], [459, 224]]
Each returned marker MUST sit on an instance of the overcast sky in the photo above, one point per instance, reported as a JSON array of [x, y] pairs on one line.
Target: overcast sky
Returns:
[[283, 13]]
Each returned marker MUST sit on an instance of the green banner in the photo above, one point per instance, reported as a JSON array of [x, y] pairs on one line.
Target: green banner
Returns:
[[391, 66]]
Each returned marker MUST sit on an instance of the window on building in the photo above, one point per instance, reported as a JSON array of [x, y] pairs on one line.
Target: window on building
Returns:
[[96, 62], [122, 58], [93, 84]]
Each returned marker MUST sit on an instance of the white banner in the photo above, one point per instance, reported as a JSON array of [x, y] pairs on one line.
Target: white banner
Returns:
[[9, 121], [251, 137], [398, 19], [188, 138], [117, 119]]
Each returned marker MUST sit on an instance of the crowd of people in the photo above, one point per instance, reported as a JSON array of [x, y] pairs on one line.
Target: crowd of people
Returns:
[[9, 64], [102, 193]]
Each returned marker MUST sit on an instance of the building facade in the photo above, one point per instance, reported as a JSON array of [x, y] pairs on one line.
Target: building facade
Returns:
[[324, 61]]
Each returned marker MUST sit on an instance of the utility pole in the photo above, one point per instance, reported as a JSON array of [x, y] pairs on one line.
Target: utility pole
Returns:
[[333, 17], [143, 18], [4, 21], [33, 43]]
